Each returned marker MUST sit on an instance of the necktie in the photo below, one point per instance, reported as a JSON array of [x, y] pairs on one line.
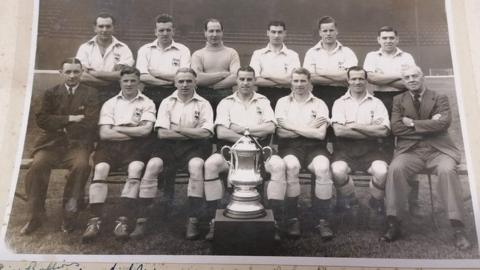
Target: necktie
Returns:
[[70, 95], [416, 102]]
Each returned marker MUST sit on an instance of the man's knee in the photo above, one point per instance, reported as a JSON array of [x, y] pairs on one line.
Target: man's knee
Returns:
[[135, 168], [101, 170], [275, 165], [378, 169], [292, 165], [195, 166], [321, 166], [340, 169], [214, 164]]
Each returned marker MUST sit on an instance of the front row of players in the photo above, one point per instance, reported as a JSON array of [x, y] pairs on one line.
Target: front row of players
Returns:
[[184, 126]]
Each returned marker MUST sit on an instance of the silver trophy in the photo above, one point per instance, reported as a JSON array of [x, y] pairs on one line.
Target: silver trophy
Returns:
[[244, 159]]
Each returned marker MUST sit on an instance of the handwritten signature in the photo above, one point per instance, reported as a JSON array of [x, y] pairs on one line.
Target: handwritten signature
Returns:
[[53, 266]]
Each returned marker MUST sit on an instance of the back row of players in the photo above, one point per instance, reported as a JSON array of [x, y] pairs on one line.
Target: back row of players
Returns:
[[184, 124]]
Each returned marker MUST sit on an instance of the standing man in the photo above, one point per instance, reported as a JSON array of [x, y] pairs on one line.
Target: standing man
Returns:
[[159, 60], [384, 71], [358, 120], [215, 64], [328, 62], [67, 116], [103, 57], [243, 110], [420, 120], [274, 64], [384, 66], [125, 121], [302, 125], [184, 125]]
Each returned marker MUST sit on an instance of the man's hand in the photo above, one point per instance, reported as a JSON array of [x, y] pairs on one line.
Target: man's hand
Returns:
[[318, 122], [436, 116], [407, 121], [76, 118], [237, 128]]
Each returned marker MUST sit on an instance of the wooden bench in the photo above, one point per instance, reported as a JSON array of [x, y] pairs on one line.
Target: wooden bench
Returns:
[[361, 179]]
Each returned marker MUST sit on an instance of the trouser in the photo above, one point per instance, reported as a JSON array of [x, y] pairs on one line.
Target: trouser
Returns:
[[405, 165], [75, 159]]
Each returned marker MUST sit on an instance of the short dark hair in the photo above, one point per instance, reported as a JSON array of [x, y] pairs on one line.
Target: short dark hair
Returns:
[[356, 68], [205, 24], [70, 60], [164, 18], [104, 15], [276, 23], [129, 70], [387, 29], [302, 71], [246, 69], [186, 70], [326, 19]]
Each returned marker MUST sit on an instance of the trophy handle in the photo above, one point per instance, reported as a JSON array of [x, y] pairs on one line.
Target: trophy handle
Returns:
[[267, 153], [226, 153]]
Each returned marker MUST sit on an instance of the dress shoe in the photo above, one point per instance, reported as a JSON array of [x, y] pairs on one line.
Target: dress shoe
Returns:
[[211, 230], [140, 229], [393, 231], [92, 230], [278, 232], [460, 240], [293, 227], [324, 229], [67, 225], [121, 228], [32, 225], [192, 231]]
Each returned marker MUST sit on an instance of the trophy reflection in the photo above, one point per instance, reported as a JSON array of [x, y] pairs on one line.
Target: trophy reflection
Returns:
[[245, 159]]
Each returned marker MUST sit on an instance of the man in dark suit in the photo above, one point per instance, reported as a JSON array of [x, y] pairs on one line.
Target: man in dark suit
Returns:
[[420, 120], [68, 117]]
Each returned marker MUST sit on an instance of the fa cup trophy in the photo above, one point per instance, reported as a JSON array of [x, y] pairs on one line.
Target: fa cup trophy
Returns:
[[245, 159]]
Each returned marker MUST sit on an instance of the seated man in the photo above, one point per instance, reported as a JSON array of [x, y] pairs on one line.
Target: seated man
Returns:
[[68, 117], [358, 120], [242, 110], [125, 121], [184, 125], [420, 120], [302, 125]]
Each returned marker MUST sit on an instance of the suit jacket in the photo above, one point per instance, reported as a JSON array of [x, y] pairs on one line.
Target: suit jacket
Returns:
[[52, 117], [434, 132]]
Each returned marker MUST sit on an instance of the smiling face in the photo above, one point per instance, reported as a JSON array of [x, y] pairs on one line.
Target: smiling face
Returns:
[[300, 84], [246, 82], [185, 83], [357, 81], [413, 79], [129, 84], [164, 32], [276, 35], [214, 33], [328, 33], [71, 74], [104, 28], [388, 41]]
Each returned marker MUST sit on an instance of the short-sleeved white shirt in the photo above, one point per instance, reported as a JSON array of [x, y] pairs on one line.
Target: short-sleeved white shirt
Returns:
[[117, 53], [317, 59], [231, 110], [195, 113], [300, 112], [370, 110], [379, 62], [167, 60], [119, 111], [266, 62]]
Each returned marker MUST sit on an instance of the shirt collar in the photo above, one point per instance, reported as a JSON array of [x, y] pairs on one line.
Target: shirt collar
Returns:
[[319, 46], [196, 96], [115, 41], [255, 97], [421, 93], [73, 88], [267, 49], [349, 96], [398, 52], [310, 97], [154, 44], [138, 96]]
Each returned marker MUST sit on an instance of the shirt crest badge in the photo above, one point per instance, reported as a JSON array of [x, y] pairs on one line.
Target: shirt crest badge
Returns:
[[175, 62]]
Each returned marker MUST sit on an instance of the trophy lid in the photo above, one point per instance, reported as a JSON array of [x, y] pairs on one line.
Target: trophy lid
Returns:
[[245, 143]]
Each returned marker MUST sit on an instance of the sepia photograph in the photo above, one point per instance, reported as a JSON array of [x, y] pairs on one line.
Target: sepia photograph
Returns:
[[268, 129]]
